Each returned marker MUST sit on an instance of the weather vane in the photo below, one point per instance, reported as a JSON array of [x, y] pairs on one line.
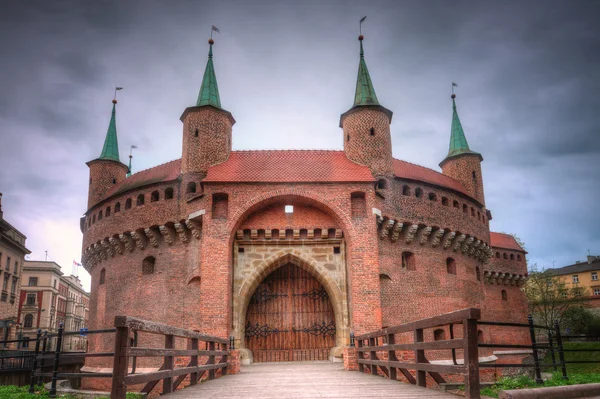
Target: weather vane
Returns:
[[360, 24], [453, 86], [116, 89], [214, 29]]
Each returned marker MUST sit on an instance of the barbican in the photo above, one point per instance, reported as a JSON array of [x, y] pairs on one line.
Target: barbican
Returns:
[[289, 251]]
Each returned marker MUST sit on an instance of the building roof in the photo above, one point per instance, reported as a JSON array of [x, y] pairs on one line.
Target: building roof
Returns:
[[365, 92], [458, 140], [209, 91], [110, 151], [593, 263], [506, 241], [158, 174], [288, 166], [411, 171]]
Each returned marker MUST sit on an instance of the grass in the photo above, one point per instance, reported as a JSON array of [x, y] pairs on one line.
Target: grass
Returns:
[[584, 368], [14, 392]]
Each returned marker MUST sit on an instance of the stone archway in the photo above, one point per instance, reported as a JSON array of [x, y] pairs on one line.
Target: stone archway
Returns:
[[334, 282]]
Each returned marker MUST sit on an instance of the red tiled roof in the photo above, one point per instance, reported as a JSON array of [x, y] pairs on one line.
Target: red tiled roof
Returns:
[[506, 241], [165, 172], [407, 170], [289, 166]]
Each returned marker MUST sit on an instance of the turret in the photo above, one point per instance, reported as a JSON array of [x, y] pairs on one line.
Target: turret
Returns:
[[206, 127], [106, 170], [461, 163], [367, 138]]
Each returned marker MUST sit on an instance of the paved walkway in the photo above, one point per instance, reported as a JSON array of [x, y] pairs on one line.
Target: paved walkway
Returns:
[[304, 380]]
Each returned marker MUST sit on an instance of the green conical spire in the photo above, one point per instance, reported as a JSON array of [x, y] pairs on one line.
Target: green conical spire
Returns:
[[209, 91], [110, 151], [365, 93], [458, 141]]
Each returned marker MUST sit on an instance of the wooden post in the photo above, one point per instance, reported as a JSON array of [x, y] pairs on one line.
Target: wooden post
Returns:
[[34, 363], [120, 364], [226, 357], [420, 358], [361, 367], [471, 359], [194, 362], [169, 364], [52, 392], [211, 360], [391, 340], [373, 355]]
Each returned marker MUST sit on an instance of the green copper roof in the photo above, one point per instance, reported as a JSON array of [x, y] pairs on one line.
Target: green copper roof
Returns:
[[365, 93], [458, 141], [110, 151], [129, 167], [209, 91]]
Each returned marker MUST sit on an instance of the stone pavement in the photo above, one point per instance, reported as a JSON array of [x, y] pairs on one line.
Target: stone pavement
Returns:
[[304, 380]]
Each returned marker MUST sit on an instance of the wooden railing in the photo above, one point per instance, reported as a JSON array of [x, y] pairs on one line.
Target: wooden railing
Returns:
[[172, 377], [384, 341]]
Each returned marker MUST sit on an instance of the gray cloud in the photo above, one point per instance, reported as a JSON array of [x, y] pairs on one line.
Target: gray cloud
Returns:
[[528, 82]]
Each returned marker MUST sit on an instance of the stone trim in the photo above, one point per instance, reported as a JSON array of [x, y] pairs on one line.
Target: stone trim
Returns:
[[128, 241], [499, 278], [280, 234], [421, 234]]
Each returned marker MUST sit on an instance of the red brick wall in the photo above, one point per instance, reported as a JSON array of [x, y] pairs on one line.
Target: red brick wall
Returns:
[[102, 174], [461, 168]]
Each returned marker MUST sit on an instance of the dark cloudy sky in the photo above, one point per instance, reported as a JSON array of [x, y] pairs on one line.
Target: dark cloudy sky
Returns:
[[528, 97]]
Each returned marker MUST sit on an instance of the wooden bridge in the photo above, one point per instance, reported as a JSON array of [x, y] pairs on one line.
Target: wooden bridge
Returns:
[[304, 380]]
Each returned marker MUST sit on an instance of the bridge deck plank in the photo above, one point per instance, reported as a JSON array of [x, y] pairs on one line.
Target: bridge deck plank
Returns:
[[303, 380]]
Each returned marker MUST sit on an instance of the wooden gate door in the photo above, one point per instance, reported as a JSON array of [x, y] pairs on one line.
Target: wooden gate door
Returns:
[[290, 318]]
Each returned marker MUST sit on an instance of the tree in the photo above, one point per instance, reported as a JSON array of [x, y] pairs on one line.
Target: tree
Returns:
[[517, 239], [549, 299]]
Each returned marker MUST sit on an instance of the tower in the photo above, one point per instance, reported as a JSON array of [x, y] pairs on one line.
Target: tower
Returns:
[[461, 163], [106, 170], [366, 126], [206, 127]]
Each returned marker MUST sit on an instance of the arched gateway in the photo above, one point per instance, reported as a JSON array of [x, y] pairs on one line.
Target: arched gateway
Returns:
[[289, 284]]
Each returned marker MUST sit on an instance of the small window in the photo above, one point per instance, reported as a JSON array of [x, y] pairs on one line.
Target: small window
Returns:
[[478, 215], [28, 322], [220, 206], [456, 204], [512, 257], [336, 250], [191, 187], [504, 255], [358, 205], [107, 211], [93, 219], [241, 250], [498, 255], [148, 265], [154, 196], [117, 207], [33, 282], [31, 299], [128, 203], [348, 137], [432, 197], [405, 190], [518, 257], [372, 131], [576, 279], [140, 200], [445, 201], [439, 335], [196, 133], [418, 193], [472, 211], [102, 276], [169, 193], [90, 181], [596, 291], [408, 261], [474, 175], [114, 181], [451, 266], [504, 295], [478, 273], [465, 208], [289, 209], [100, 215], [381, 184], [594, 276]]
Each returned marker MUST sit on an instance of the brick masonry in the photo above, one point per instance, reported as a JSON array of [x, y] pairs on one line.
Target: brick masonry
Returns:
[[202, 282]]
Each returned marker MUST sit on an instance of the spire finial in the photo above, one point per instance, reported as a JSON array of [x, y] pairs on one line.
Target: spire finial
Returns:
[[458, 140], [209, 91], [365, 93], [110, 150], [130, 158]]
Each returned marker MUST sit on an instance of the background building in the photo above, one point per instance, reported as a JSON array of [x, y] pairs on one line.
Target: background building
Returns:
[[49, 298], [584, 275], [12, 256]]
